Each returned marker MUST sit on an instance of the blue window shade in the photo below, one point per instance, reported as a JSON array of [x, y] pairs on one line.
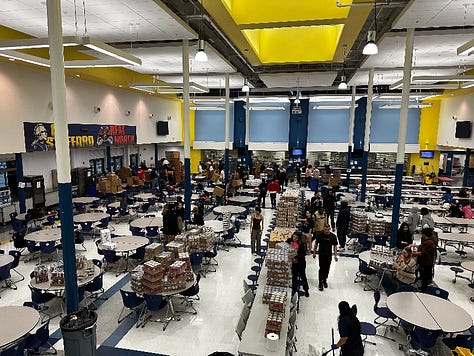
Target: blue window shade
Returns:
[[269, 125], [328, 126], [210, 125], [385, 122]]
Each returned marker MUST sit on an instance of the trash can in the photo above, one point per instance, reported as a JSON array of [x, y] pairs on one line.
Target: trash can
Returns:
[[79, 333]]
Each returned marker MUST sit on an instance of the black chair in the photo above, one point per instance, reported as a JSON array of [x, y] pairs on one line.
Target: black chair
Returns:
[[153, 303], [96, 287], [79, 239], [41, 298], [461, 340], [138, 256], [363, 274], [210, 261], [40, 339], [190, 295], [6, 277], [136, 231], [15, 349], [16, 261], [383, 313], [110, 256], [130, 301], [421, 339]]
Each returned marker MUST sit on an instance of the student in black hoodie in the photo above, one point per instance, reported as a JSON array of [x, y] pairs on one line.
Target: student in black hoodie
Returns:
[[342, 224]]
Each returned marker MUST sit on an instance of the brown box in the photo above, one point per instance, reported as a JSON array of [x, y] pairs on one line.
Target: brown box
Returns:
[[141, 182], [175, 154], [333, 181], [124, 173], [135, 180], [215, 177], [219, 192], [147, 176], [237, 183], [129, 181]]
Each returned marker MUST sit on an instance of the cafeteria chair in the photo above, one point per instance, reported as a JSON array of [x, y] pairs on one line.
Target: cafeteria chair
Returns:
[[248, 297], [132, 302], [231, 236], [110, 256], [291, 341], [123, 213], [248, 286], [40, 339], [104, 224], [79, 239], [383, 313], [41, 298], [363, 274], [210, 261], [367, 329], [48, 248], [6, 277], [87, 228], [18, 226], [16, 261], [422, 340], [13, 216], [99, 250], [111, 211], [405, 288], [240, 327], [96, 287], [245, 313], [79, 208], [461, 340], [153, 303], [190, 295], [14, 349], [152, 232], [438, 292], [457, 270], [138, 256], [19, 241], [137, 231]]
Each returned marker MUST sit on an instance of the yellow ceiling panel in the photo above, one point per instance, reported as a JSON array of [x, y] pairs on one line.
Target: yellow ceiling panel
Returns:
[[295, 44], [270, 11]]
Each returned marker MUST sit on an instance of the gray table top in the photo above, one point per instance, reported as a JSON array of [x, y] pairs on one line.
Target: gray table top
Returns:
[[5, 259], [147, 222], [216, 225], [242, 199], [440, 220], [45, 235], [144, 196], [80, 282], [461, 221], [84, 200], [468, 265], [253, 338], [429, 312], [457, 237], [115, 204], [129, 243], [90, 217], [25, 318], [233, 209]]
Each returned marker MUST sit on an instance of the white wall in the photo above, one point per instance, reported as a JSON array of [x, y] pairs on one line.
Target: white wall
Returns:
[[462, 108], [26, 96]]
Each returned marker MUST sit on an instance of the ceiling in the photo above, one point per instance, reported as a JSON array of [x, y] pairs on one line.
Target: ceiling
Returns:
[[279, 47]]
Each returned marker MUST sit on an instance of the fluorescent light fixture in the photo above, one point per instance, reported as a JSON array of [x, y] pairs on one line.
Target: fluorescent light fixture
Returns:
[[201, 55], [467, 85], [207, 108], [333, 107], [370, 47], [332, 98], [258, 108], [9, 49], [168, 88], [442, 78], [269, 99], [466, 49], [410, 106]]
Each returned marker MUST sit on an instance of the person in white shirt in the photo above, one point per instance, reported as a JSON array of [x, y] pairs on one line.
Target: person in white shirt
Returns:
[[200, 167]]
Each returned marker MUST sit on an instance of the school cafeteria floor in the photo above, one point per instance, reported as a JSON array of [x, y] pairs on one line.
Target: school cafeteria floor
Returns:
[[212, 329]]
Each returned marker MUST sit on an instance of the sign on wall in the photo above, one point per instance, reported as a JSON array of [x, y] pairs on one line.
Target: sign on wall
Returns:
[[39, 136]]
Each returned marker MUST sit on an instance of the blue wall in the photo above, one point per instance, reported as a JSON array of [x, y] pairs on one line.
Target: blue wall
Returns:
[[270, 125], [210, 125], [328, 126]]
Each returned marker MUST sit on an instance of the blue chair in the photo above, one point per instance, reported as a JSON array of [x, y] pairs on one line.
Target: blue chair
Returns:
[[79, 239], [237, 225], [104, 223], [461, 340], [16, 261], [231, 236], [130, 301], [40, 298], [111, 211], [40, 339], [80, 208], [190, 295], [13, 216], [143, 208], [423, 339], [136, 231], [139, 255], [87, 228], [33, 249], [210, 260], [99, 250], [96, 287], [151, 231], [123, 212], [405, 288], [438, 292], [48, 248], [153, 303], [95, 204], [363, 274], [383, 313], [6, 277], [380, 240], [18, 226], [110, 256], [15, 349]]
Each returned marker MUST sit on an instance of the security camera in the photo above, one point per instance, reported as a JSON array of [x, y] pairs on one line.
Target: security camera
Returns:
[[127, 113], [151, 115], [96, 109]]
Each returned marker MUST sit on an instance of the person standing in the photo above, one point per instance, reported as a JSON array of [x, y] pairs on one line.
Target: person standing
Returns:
[[329, 203], [170, 223], [348, 325], [298, 174], [426, 218], [413, 220], [326, 241], [307, 227], [308, 175], [342, 224], [298, 266], [262, 194], [273, 188], [320, 220], [425, 258], [316, 201], [256, 228]]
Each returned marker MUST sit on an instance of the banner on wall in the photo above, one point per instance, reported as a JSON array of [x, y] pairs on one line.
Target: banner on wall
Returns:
[[39, 136]]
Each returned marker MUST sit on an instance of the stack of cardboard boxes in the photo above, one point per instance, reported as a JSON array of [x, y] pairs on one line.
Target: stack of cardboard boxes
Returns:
[[110, 184], [177, 167]]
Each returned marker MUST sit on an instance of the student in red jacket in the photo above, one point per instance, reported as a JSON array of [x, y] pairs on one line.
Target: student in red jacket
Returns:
[[273, 188]]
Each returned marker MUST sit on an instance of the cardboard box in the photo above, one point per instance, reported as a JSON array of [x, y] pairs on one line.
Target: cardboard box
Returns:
[[215, 177], [333, 181], [219, 192], [124, 173], [135, 180], [141, 182], [129, 181], [175, 154], [237, 183]]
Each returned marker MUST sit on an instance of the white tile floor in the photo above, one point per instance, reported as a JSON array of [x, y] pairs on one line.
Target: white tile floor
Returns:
[[212, 329]]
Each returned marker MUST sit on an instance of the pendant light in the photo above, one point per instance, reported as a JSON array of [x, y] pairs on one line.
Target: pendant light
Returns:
[[343, 84], [370, 47], [245, 87], [201, 55]]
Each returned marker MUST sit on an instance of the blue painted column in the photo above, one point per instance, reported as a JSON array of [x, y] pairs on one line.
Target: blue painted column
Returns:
[[58, 88], [449, 164], [465, 179], [351, 137], [156, 155], [298, 130], [108, 158], [227, 130], [363, 189], [402, 135], [187, 136], [19, 178]]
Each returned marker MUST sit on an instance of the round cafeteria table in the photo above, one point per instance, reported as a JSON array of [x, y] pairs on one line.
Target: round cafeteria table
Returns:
[[126, 244], [242, 199], [233, 209], [115, 204], [45, 235], [429, 312], [80, 282], [90, 217], [84, 200], [216, 225], [25, 319], [144, 196], [5, 259], [143, 223], [468, 265]]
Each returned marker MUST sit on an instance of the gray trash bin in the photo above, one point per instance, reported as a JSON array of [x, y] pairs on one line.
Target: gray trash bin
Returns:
[[79, 333]]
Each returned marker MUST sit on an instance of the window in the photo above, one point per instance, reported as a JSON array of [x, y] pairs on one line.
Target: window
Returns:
[[115, 163], [97, 166], [134, 160]]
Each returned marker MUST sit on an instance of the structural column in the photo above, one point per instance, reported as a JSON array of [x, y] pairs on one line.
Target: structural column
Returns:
[[21, 185], [247, 128], [449, 164], [368, 117], [402, 135], [108, 158], [187, 137], [465, 180], [227, 129], [350, 138], [58, 86], [156, 155]]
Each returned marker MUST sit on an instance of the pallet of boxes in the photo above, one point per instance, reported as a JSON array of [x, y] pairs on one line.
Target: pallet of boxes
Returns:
[[178, 168], [287, 208], [110, 184]]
